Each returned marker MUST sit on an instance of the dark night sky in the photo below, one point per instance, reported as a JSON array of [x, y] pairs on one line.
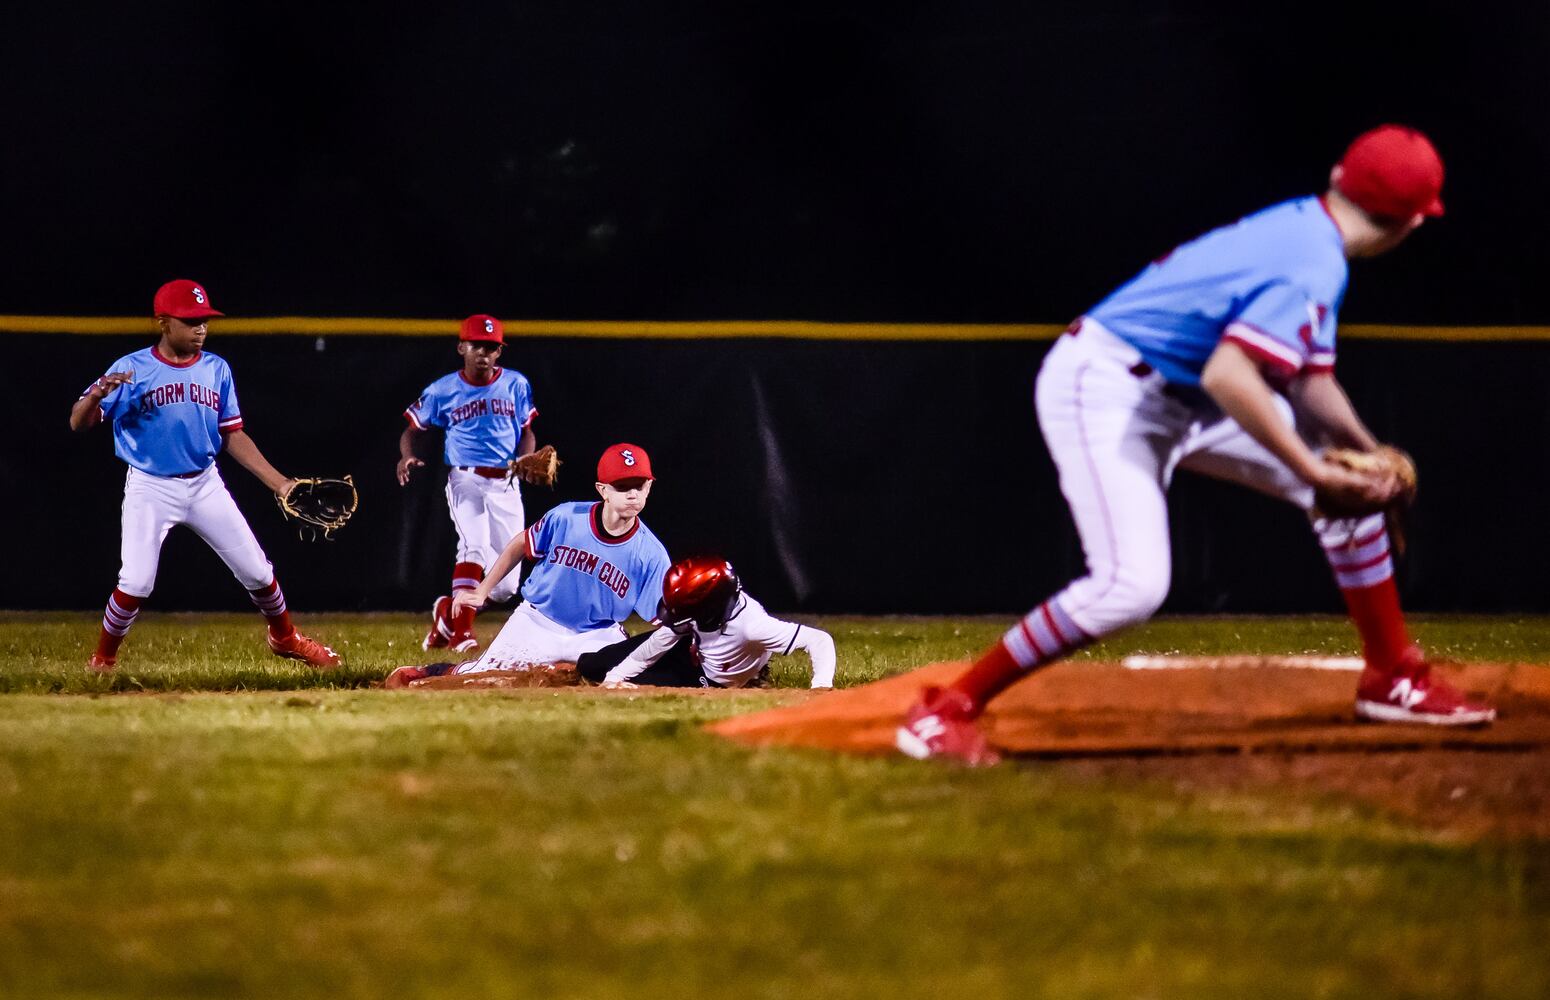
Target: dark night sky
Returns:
[[953, 161]]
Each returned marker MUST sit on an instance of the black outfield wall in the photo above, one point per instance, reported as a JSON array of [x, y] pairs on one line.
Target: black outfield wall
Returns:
[[839, 476]]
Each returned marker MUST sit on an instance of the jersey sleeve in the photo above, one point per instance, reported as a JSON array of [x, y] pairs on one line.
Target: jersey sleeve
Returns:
[[230, 414], [428, 411], [761, 628], [540, 535], [1276, 327], [1321, 357], [651, 591], [779, 636], [653, 649], [526, 409], [115, 403]]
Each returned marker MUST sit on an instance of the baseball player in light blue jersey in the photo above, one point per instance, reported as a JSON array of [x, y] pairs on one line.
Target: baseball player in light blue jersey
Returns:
[[173, 407], [486, 412], [1270, 283], [594, 564], [1219, 359]]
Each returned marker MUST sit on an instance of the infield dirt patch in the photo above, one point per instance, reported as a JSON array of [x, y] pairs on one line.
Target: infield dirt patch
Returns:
[[1090, 709], [1231, 728]]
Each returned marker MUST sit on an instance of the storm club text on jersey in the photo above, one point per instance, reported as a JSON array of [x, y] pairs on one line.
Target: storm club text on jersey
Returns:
[[586, 562]]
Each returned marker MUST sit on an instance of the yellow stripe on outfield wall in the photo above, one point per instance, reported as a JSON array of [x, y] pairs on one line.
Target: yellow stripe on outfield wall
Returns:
[[350, 326]]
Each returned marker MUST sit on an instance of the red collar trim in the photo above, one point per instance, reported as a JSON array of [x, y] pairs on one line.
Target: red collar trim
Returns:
[[495, 377], [159, 356], [595, 520]]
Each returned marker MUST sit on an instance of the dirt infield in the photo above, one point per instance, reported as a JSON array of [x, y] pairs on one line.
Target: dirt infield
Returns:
[[1086, 709], [1231, 729], [558, 676], [1245, 725]]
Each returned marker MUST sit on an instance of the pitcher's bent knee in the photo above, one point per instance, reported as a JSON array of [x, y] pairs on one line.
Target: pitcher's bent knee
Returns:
[[135, 585], [1128, 598]]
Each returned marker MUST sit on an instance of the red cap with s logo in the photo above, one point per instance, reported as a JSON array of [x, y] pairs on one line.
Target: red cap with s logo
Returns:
[[183, 299], [481, 327], [624, 461]]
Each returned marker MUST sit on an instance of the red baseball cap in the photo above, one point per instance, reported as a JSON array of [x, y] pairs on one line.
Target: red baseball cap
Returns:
[[624, 461], [183, 299], [1393, 171], [484, 328]]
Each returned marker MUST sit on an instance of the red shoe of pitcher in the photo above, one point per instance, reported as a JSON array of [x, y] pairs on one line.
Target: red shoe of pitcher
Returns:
[[941, 725], [1410, 692]]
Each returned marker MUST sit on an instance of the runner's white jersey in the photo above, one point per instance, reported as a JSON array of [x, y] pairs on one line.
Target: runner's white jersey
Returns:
[[735, 654]]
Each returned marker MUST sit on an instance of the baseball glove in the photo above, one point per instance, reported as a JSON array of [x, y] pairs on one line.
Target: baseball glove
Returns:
[[321, 506], [541, 468], [1386, 459]]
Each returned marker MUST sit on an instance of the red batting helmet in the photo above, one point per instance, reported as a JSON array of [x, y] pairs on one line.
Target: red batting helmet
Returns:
[[702, 589]]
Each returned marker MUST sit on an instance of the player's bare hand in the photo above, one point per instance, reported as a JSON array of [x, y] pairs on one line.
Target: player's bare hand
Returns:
[[617, 685], [1356, 489], [285, 488], [465, 600], [406, 467], [111, 381]]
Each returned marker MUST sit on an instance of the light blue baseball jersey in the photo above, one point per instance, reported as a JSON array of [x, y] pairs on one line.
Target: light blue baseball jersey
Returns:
[[170, 419], [483, 422], [1271, 282], [585, 580]]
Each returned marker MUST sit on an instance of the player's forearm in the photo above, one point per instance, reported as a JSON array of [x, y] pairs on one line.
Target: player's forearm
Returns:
[[1320, 401], [407, 441], [514, 552], [627, 670], [1233, 380], [86, 413], [527, 444], [653, 649], [241, 447], [820, 649]]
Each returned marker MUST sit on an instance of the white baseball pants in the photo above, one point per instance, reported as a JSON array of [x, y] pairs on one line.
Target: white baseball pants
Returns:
[[1116, 439], [488, 514], [529, 638], [154, 504]]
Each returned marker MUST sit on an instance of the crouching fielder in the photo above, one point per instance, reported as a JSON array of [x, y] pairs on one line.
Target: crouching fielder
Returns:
[[594, 564], [715, 635]]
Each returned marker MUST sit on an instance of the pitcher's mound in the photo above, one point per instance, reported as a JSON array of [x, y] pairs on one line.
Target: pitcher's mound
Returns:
[[1100, 709]]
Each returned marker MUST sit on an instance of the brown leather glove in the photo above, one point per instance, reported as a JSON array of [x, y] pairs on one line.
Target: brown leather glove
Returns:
[[541, 468]]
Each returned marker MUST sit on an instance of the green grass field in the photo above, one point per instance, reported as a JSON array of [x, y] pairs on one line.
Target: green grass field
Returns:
[[306, 837]]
